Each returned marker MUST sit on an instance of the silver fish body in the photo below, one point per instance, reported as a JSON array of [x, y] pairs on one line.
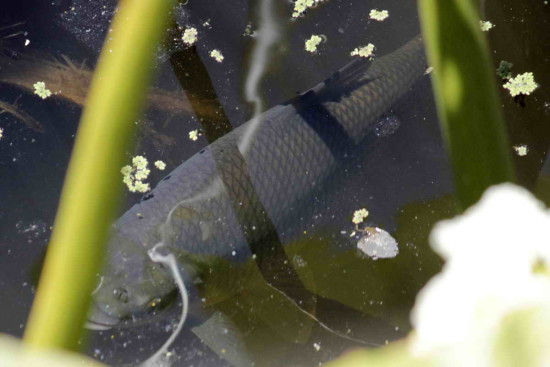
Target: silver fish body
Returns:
[[286, 160], [205, 206]]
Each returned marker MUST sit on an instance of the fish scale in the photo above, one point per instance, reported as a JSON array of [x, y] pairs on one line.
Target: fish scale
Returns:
[[286, 161]]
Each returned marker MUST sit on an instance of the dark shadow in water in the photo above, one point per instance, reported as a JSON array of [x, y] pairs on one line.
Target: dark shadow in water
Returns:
[[197, 85]]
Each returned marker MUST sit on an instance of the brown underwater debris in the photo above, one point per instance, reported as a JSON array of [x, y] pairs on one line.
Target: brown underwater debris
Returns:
[[70, 81], [16, 111]]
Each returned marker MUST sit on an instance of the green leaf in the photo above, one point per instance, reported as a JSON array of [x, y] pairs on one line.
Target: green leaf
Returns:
[[92, 187], [466, 97]]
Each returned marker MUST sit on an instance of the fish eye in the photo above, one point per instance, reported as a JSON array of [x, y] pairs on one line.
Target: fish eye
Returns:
[[153, 304], [121, 294]]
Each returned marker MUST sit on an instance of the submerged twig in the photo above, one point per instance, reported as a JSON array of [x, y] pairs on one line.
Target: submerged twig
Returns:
[[17, 112], [71, 81]]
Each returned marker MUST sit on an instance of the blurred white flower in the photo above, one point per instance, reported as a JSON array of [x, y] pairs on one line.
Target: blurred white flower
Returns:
[[490, 252]]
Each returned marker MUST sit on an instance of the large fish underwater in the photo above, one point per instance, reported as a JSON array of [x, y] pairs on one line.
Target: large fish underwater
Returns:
[[206, 205]]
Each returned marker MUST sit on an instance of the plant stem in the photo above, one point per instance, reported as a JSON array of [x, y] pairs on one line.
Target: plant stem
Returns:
[[92, 187], [466, 96]]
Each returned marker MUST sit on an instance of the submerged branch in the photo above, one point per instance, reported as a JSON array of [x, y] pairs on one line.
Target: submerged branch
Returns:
[[14, 110], [70, 81]]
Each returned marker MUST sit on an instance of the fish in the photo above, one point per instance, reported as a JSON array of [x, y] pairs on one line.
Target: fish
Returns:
[[210, 204]]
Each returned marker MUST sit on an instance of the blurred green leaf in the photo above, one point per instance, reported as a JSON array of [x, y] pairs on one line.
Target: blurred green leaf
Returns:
[[466, 96], [92, 187], [14, 354], [395, 354]]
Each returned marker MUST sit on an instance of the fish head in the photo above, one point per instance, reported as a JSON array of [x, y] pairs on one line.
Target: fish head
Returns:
[[131, 287]]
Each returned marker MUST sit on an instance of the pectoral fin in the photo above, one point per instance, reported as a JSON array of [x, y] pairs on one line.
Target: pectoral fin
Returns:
[[221, 335]]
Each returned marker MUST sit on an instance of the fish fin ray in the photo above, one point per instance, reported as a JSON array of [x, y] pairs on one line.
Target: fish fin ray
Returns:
[[221, 335]]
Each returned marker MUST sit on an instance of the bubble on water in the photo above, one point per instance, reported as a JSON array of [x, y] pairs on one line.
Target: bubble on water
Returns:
[[377, 243]]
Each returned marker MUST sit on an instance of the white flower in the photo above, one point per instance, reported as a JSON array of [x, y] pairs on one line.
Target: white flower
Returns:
[[312, 43], [190, 36], [364, 51], [360, 215], [490, 253], [1, 133], [378, 15], [521, 84], [485, 25], [41, 90], [216, 55]]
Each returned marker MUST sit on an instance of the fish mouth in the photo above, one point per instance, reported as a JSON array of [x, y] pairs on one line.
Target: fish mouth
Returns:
[[99, 320]]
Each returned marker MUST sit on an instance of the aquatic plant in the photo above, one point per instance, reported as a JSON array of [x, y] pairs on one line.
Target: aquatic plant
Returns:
[[379, 15], [521, 84], [360, 215], [300, 6], [92, 187], [466, 97], [216, 55], [194, 135], [160, 165], [485, 25], [190, 36], [134, 175], [504, 70], [41, 90], [364, 51], [312, 43]]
